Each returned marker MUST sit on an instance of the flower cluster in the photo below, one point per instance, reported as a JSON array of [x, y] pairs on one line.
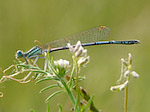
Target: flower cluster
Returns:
[[61, 67], [128, 64], [126, 72], [79, 53], [61, 63]]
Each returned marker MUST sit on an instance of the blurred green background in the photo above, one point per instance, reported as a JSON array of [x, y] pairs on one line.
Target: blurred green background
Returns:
[[23, 21]]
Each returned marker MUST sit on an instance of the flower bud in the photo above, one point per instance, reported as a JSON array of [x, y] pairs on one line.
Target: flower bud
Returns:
[[124, 85], [84, 53], [119, 87], [124, 62], [126, 73], [135, 75], [83, 60], [114, 88], [77, 46], [79, 51]]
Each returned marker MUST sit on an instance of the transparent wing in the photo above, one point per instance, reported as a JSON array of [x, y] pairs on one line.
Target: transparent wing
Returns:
[[88, 36]]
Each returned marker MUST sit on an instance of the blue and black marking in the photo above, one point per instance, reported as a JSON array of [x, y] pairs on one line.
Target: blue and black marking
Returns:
[[32, 53], [35, 51], [129, 42]]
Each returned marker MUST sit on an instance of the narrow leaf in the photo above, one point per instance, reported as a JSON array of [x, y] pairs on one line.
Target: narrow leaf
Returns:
[[48, 107], [88, 104], [44, 79], [48, 87], [52, 95], [36, 75], [39, 71], [60, 108], [76, 105]]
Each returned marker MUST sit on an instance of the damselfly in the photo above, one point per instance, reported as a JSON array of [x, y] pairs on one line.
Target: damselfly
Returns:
[[88, 38]]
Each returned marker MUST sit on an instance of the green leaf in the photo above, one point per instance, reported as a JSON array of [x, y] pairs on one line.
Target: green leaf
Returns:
[[88, 104], [36, 75], [48, 107], [60, 108], [23, 65], [48, 87], [28, 66], [44, 79], [76, 105], [39, 71], [55, 93], [50, 65]]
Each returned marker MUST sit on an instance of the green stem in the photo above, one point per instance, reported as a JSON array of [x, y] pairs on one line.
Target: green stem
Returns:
[[77, 87], [126, 90], [68, 91], [126, 99], [71, 78]]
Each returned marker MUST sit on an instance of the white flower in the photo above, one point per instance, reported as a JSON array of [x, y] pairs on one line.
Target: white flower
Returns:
[[124, 85], [124, 62], [77, 46], [80, 54], [120, 87], [83, 60], [61, 63], [79, 51], [135, 75], [114, 88], [126, 73], [84, 53]]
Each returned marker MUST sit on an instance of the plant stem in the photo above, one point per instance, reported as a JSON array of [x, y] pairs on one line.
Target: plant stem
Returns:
[[77, 85], [126, 99], [71, 78], [68, 91]]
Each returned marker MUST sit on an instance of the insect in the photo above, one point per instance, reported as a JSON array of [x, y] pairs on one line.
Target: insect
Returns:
[[88, 37]]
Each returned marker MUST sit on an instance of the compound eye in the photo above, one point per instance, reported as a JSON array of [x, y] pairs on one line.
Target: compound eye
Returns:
[[19, 54]]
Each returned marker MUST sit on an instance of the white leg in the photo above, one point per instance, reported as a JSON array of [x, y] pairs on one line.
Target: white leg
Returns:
[[45, 65], [37, 57]]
